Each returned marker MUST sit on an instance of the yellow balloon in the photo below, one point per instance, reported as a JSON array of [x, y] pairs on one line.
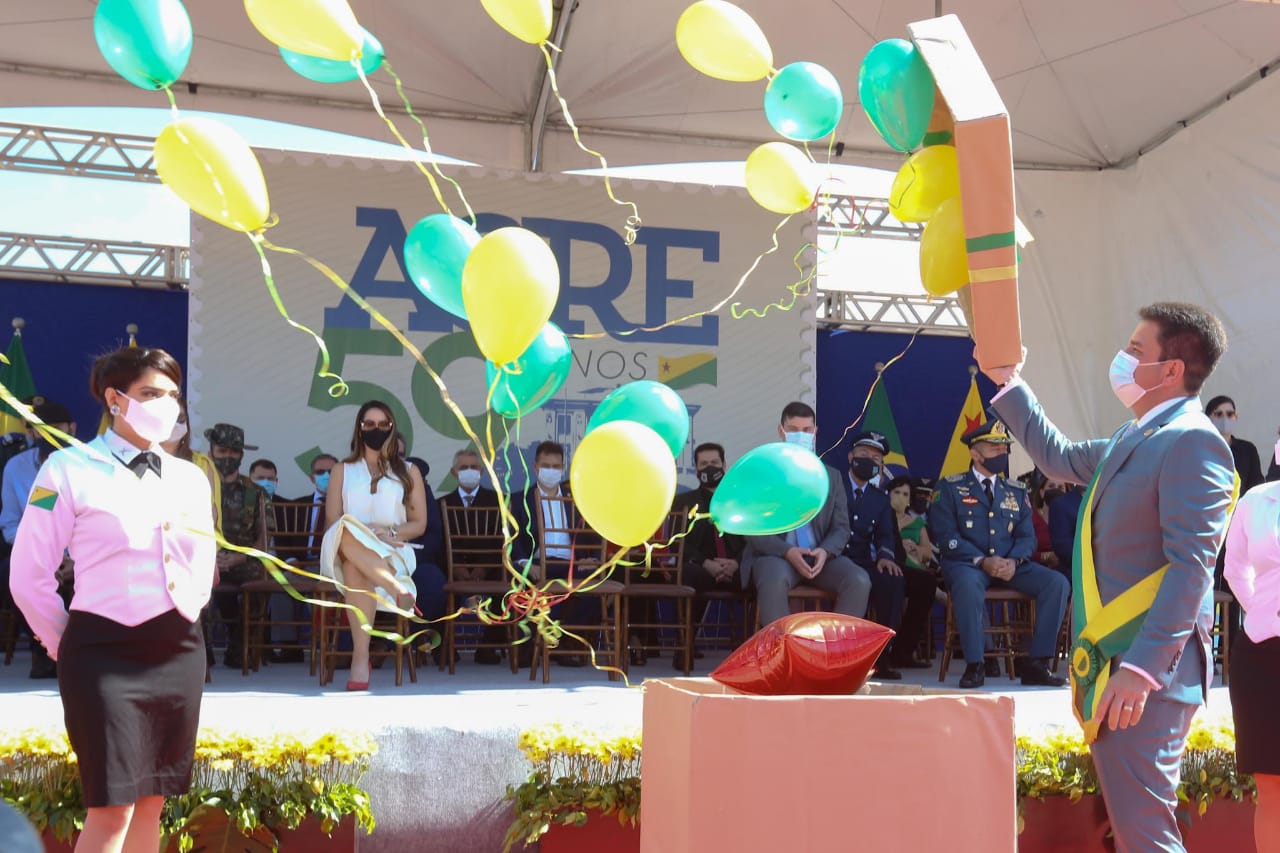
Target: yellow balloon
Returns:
[[944, 264], [527, 20], [928, 178], [324, 28], [510, 284], [214, 171], [623, 452], [724, 42], [777, 178]]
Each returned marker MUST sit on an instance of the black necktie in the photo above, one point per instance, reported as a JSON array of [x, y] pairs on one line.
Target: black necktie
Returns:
[[986, 486], [857, 502], [144, 460], [466, 500]]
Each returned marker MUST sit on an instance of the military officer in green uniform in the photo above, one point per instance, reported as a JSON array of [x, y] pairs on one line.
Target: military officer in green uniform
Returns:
[[982, 522]]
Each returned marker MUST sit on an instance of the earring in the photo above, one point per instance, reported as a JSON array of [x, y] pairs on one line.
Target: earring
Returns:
[[115, 410]]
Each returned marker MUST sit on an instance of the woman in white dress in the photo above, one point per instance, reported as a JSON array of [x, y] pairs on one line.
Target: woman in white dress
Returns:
[[379, 506]]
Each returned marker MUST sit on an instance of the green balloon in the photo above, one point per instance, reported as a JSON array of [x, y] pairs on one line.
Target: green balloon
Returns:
[[538, 374], [650, 403], [147, 42], [335, 70], [772, 489], [896, 89]]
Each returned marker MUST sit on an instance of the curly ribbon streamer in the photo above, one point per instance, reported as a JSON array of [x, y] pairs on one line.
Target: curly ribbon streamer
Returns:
[[633, 222], [867, 401], [339, 387], [426, 141], [395, 131], [773, 247]]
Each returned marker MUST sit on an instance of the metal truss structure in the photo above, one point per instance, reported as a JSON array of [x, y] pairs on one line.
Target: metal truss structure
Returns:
[[78, 259], [59, 151], [82, 153], [849, 216], [890, 312]]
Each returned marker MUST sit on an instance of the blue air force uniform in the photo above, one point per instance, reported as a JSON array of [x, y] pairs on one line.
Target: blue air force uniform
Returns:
[[968, 526]]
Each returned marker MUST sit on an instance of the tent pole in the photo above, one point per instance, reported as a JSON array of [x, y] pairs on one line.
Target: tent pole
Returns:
[[537, 124]]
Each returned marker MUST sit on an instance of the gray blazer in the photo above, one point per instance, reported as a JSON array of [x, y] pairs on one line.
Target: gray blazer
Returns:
[[1162, 498], [830, 530]]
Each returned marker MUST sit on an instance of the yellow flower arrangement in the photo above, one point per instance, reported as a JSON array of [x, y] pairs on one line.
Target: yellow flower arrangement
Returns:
[[255, 785], [575, 771], [1056, 762]]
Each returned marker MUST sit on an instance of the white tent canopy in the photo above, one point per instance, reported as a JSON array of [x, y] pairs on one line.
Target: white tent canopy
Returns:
[[1090, 83], [1132, 197]]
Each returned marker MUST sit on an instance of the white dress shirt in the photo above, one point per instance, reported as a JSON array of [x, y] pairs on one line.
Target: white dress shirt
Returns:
[[1252, 565], [142, 546]]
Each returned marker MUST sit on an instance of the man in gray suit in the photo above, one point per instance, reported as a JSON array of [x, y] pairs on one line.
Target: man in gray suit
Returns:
[[1158, 507], [810, 554]]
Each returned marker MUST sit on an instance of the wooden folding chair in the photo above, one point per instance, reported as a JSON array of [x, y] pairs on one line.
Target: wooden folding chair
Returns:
[[1010, 624], [473, 541], [649, 585], [291, 543], [569, 533]]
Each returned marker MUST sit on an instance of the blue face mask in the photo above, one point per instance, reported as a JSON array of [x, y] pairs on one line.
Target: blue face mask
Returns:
[[803, 439], [268, 486], [322, 482]]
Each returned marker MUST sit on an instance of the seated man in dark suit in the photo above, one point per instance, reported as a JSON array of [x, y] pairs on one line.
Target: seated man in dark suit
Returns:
[[812, 553], [874, 544], [711, 558], [582, 554], [469, 472]]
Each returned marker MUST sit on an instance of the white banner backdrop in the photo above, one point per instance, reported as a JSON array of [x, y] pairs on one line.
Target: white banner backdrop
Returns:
[[248, 367], [1195, 221]]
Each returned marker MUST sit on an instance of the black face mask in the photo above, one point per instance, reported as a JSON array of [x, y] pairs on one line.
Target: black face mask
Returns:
[[227, 465], [375, 438], [711, 476], [997, 465], [863, 468], [919, 505], [1051, 495], [45, 447]]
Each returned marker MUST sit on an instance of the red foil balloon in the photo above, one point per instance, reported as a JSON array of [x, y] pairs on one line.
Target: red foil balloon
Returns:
[[823, 653]]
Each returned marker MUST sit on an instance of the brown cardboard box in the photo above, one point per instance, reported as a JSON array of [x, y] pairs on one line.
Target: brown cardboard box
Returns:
[[984, 148], [897, 769]]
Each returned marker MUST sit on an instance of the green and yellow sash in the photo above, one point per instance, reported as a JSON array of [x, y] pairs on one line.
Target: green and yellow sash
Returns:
[[1104, 631]]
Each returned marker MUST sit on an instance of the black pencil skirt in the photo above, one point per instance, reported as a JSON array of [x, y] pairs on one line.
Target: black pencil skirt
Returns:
[[1255, 688], [131, 700]]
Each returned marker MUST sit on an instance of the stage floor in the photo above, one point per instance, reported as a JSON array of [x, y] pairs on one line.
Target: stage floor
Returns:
[[447, 745]]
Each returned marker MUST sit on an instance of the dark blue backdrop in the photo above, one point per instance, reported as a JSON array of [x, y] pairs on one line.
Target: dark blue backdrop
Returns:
[[69, 325], [926, 390]]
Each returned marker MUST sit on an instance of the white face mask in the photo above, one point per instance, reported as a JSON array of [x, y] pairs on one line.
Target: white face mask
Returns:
[[803, 439], [1223, 425], [1123, 383], [179, 430], [549, 478], [1277, 455], [469, 478], [152, 420]]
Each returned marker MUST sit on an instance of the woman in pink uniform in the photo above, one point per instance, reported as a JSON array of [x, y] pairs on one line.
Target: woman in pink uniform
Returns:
[[139, 525]]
